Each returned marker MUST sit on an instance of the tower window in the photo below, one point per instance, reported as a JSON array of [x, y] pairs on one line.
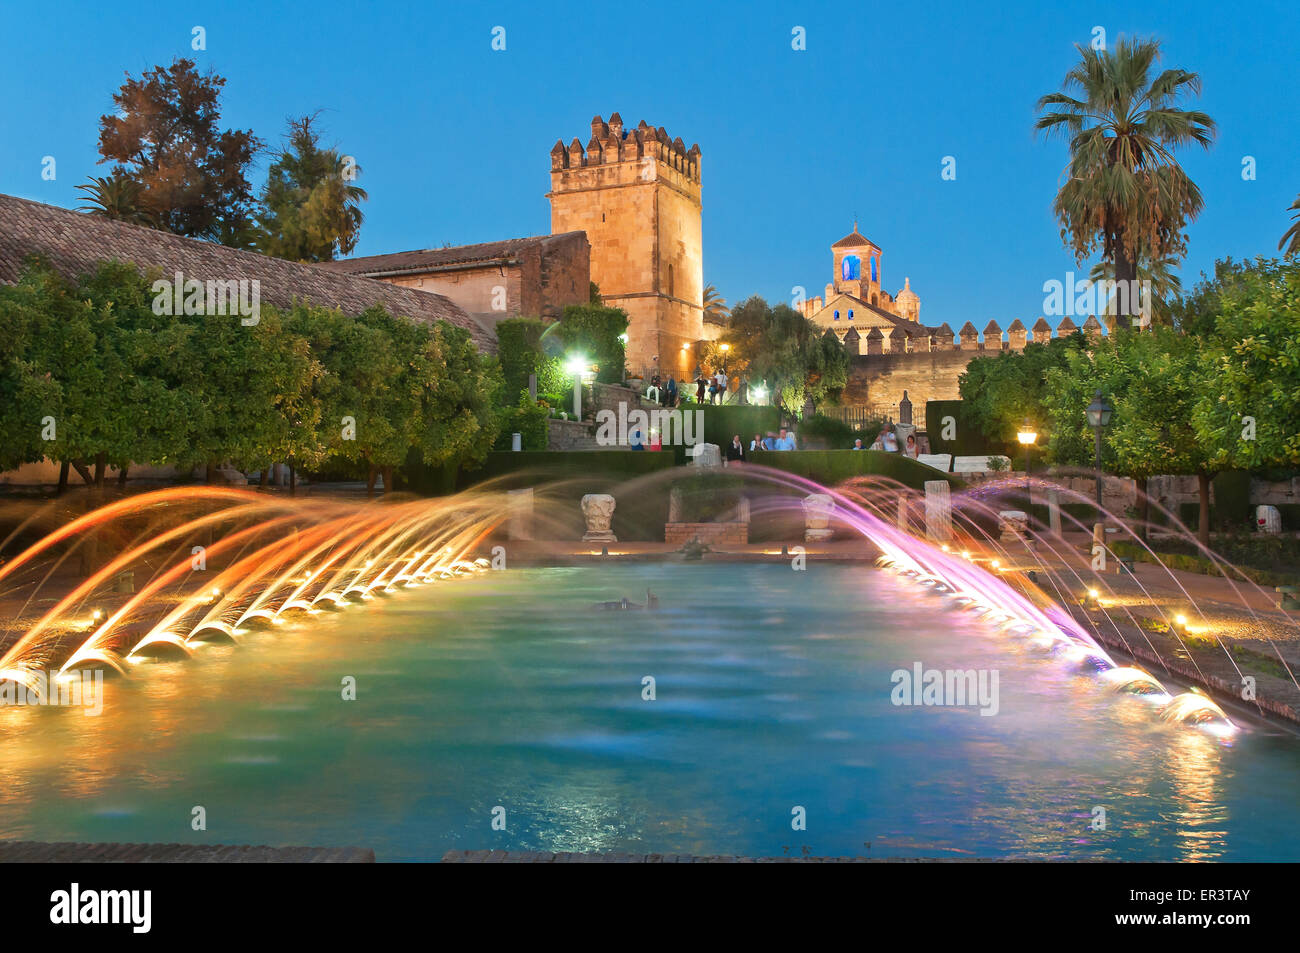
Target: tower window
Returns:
[[850, 314], [837, 315], [850, 268]]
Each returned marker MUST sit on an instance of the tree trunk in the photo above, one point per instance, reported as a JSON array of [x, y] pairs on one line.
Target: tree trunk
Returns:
[[209, 472], [63, 477], [371, 473], [1125, 271], [83, 471], [101, 464], [121, 475], [1203, 498], [293, 480], [1144, 508], [262, 478], [388, 480]]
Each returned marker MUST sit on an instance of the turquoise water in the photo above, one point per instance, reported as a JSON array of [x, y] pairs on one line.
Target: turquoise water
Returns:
[[772, 693]]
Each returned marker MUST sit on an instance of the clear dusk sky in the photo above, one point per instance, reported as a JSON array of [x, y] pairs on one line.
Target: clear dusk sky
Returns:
[[454, 138]]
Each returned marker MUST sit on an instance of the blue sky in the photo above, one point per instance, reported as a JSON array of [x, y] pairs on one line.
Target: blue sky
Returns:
[[454, 138]]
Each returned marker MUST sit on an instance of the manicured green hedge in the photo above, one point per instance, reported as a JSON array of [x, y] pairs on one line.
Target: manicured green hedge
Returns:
[[832, 467], [1205, 567], [724, 422], [968, 439], [566, 464], [1232, 498]]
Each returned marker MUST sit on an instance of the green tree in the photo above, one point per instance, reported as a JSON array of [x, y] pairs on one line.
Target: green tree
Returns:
[[781, 347], [999, 393], [1290, 243], [311, 204], [715, 305], [116, 197], [1125, 193], [1248, 414], [165, 137], [596, 333]]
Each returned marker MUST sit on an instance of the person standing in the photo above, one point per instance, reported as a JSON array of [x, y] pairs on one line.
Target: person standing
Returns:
[[700, 385], [735, 451], [721, 379], [889, 440], [671, 390]]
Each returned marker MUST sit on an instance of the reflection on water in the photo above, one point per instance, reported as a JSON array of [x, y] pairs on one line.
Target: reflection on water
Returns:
[[772, 691]]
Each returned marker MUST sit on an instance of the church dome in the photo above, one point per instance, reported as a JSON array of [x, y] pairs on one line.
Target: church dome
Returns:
[[908, 302]]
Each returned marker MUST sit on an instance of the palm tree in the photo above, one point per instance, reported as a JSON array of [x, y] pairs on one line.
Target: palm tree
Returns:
[[117, 198], [715, 306], [1292, 234], [1159, 276], [1125, 192]]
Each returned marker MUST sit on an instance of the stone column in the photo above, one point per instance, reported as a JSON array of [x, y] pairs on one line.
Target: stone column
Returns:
[[1054, 512], [938, 511], [598, 511], [817, 510], [903, 503], [519, 513]]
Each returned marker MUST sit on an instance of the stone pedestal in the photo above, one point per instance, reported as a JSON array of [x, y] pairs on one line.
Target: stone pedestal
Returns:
[[598, 511], [1268, 519], [1054, 512], [519, 511], [938, 511], [1013, 525], [708, 455], [817, 510]]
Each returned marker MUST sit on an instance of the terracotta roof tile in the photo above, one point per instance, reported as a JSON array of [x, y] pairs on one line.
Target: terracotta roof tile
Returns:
[[427, 259], [76, 242]]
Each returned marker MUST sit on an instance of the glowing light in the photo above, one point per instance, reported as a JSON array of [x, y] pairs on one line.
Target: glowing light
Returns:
[[1181, 620]]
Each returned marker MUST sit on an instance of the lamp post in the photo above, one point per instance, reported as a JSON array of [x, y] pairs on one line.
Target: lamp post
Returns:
[[1099, 412], [577, 366], [1027, 436]]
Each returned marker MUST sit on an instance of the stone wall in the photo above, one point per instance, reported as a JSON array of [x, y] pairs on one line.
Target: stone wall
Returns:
[[636, 194], [679, 534], [879, 380], [569, 435]]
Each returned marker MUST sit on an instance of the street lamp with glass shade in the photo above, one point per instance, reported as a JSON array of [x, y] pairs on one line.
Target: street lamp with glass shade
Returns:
[[1099, 412]]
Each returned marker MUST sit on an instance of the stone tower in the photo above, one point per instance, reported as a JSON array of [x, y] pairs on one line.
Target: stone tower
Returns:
[[636, 193]]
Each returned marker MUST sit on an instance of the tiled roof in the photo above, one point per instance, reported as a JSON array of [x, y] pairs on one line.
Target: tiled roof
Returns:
[[428, 259], [76, 242], [853, 239], [915, 329]]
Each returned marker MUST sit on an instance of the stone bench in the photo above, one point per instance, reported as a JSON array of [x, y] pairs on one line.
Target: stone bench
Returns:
[[979, 464], [1289, 600], [940, 461]]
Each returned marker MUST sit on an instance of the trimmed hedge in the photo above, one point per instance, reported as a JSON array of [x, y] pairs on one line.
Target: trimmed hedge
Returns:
[[832, 467], [723, 422], [1205, 567], [563, 477], [968, 440]]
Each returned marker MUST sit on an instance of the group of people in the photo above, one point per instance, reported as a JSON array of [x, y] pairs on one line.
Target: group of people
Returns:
[[711, 388], [736, 451], [888, 441], [714, 387]]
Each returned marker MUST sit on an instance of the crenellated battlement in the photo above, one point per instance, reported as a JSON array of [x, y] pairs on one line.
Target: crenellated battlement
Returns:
[[610, 143], [943, 338]]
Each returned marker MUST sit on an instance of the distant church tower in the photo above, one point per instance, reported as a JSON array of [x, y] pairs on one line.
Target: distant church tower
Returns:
[[636, 194]]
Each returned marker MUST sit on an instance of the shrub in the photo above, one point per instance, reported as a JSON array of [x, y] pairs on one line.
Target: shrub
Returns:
[[519, 349], [596, 332]]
